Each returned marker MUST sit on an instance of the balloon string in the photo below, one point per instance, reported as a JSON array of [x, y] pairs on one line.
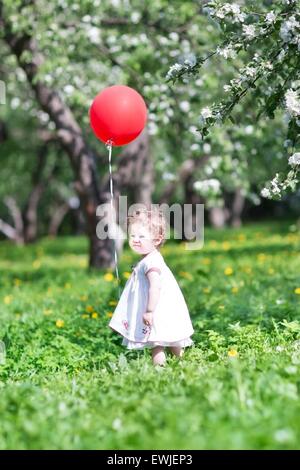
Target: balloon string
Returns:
[[109, 147]]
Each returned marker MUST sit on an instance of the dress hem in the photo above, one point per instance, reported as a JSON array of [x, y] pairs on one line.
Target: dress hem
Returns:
[[152, 344]]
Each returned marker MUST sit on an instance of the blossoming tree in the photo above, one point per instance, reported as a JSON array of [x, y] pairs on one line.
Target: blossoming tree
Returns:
[[268, 44]]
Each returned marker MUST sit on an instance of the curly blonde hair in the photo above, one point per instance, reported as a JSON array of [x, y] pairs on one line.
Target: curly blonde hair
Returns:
[[153, 219]]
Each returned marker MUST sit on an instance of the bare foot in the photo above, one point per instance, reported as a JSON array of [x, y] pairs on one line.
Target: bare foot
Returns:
[[177, 351], [158, 356]]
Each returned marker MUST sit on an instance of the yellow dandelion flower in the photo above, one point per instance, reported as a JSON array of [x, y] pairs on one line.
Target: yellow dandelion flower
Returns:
[[261, 257], [112, 303], [233, 352], [126, 275], [60, 323], [108, 277], [297, 290], [226, 245], [271, 271], [109, 314], [206, 290], [89, 309], [85, 315], [47, 311], [206, 261], [83, 298], [17, 282], [221, 307], [68, 285], [36, 264], [8, 299], [235, 290], [228, 271], [185, 275], [241, 237], [94, 315], [247, 270]]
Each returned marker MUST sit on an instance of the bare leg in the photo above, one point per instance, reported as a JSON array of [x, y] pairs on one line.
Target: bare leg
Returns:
[[177, 351], [158, 356]]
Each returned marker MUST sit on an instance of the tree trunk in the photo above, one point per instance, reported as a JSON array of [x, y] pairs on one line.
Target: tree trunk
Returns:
[[71, 138], [57, 218], [30, 214], [218, 216], [237, 208]]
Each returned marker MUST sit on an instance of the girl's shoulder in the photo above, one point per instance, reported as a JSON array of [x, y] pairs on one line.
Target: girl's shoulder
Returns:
[[152, 260]]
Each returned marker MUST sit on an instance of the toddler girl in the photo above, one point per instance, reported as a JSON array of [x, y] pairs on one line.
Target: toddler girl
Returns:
[[152, 311]]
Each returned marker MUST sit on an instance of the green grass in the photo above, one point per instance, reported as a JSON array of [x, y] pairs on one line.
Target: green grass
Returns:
[[67, 383]]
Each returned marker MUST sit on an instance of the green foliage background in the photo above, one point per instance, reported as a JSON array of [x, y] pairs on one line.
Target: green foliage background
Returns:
[[70, 385]]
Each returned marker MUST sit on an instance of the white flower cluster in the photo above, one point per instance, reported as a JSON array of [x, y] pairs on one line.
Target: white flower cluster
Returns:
[[207, 113], [176, 69], [249, 31], [294, 160], [274, 189], [292, 103], [227, 52], [208, 187], [229, 9], [270, 17], [290, 31], [277, 187]]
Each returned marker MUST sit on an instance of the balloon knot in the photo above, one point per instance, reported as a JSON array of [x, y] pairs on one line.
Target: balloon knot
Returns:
[[108, 143]]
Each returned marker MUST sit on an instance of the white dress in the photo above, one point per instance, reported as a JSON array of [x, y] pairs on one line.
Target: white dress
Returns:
[[171, 326]]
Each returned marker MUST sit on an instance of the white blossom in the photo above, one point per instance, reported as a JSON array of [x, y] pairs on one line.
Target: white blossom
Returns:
[[206, 148], [270, 17], [265, 193], [208, 186], [294, 159], [288, 30], [292, 102], [227, 52], [184, 106], [232, 9], [174, 70], [93, 34], [281, 55], [174, 36], [193, 130], [195, 147], [249, 31], [68, 89], [152, 128], [250, 71], [206, 113], [135, 16]]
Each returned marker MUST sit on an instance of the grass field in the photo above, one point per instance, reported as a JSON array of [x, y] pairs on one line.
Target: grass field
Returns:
[[67, 383]]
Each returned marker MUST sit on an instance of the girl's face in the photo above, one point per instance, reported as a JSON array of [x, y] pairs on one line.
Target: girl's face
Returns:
[[140, 239]]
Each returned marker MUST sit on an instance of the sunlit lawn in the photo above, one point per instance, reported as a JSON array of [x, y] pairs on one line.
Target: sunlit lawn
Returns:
[[66, 383]]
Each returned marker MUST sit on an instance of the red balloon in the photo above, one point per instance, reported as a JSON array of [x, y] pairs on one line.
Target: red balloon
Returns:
[[118, 114]]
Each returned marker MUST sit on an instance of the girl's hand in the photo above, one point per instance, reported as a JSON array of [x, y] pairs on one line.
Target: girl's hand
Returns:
[[148, 318]]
